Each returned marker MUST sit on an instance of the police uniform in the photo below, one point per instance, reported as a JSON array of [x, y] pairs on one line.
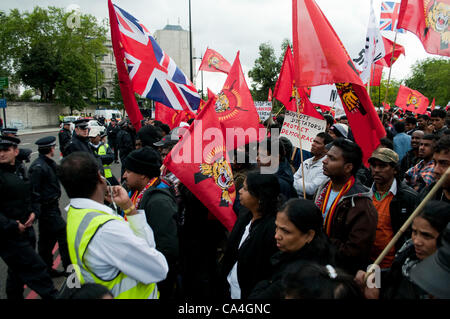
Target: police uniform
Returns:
[[79, 143], [24, 154], [105, 156], [17, 250], [64, 137], [52, 227]]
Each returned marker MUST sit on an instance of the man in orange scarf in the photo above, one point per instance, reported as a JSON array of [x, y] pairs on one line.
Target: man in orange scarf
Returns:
[[350, 219]]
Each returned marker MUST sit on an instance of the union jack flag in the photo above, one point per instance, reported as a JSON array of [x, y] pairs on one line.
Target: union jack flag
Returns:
[[153, 74], [389, 16]]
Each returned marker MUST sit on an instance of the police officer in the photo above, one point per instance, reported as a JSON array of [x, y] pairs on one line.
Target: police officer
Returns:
[[104, 152], [17, 237], [24, 154], [52, 227], [112, 131], [80, 139], [64, 137]]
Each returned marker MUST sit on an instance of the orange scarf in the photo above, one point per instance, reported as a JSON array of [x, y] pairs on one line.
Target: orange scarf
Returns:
[[137, 196], [323, 206]]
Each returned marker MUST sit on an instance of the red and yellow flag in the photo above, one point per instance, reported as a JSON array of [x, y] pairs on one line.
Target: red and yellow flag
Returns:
[[411, 100], [214, 62]]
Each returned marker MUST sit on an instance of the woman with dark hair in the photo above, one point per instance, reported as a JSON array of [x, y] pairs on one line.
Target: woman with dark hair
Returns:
[[299, 235], [309, 280], [427, 228], [251, 242]]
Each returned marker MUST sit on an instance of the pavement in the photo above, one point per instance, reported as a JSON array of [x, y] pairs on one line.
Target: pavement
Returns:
[[42, 129]]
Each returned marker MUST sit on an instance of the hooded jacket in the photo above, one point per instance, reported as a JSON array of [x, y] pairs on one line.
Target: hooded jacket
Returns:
[[353, 227]]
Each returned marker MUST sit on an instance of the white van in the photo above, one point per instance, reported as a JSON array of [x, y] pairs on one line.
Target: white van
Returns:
[[108, 114]]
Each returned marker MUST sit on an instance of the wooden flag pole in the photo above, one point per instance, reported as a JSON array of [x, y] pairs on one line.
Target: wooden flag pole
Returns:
[[300, 140], [389, 76], [407, 223]]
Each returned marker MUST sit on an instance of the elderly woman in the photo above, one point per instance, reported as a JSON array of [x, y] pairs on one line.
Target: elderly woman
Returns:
[[251, 242], [427, 228], [300, 237]]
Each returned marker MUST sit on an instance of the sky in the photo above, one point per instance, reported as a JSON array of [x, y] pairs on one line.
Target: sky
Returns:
[[231, 25]]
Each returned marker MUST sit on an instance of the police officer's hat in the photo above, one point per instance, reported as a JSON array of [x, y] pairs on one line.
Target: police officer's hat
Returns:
[[67, 122], [9, 130], [83, 123], [47, 141], [7, 141]]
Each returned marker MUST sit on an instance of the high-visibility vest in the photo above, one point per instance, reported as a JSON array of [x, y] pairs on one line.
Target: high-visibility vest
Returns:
[[107, 168], [82, 224]]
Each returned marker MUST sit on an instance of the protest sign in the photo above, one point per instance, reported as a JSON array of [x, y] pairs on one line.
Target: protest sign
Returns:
[[264, 108], [309, 126]]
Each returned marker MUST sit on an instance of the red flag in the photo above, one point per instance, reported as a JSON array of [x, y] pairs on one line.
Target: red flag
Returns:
[[269, 97], [200, 162], [386, 106], [234, 104], [428, 21], [171, 117], [126, 89], [214, 62], [320, 58], [284, 89], [433, 104], [389, 46], [376, 75], [411, 100]]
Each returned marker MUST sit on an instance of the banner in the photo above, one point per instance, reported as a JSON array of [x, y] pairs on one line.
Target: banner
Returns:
[[309, 126], [264, 109]]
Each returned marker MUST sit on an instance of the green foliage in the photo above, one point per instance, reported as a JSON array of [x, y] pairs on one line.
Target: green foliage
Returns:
[[41, 49], [431, 77], [27, 95], [264, 73], [117, 95], [377, 94]]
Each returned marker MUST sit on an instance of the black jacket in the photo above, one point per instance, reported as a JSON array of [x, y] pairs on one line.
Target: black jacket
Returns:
[[286, 180], [78, 144], [112, 134], [46, 185], [401, 207], [323, 254], [161, 210], [253, 257], [124, 143], [15, 199], [64, 137]]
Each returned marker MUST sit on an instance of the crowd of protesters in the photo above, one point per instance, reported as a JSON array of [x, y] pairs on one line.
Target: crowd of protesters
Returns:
[[307, 231]]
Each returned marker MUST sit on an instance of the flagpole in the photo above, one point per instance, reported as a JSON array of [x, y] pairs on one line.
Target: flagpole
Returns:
[[300, 140], [389, 76], [190, 43]]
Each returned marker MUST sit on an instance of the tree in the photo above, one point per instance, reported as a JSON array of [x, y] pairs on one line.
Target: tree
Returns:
[[431, 78], [264, 73], [377, 94], [116, 93], [44, 51]]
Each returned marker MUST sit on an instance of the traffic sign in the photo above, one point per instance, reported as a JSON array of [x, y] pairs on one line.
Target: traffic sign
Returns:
[[4, 82], [2, 103]]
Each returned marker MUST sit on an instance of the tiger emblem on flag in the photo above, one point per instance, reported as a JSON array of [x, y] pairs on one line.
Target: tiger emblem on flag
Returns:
[[214, 61], [413, 100], [437, 19], [220, 171]]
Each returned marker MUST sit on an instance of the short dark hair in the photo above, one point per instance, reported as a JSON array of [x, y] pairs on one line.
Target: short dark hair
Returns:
[[438, 113], [436, 213], [351, 152], [423, 116], [399, 127], [90, 291], [430, 137], [443, 144], [45, 150], [78, 173], [281, 147], [309, 280], [329, 119], [326, 137], [266, 188], [387, 143], [411, 120]]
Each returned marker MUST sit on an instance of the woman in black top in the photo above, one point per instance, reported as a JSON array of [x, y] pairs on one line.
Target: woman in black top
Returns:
[[251, 243], [300, 237]]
